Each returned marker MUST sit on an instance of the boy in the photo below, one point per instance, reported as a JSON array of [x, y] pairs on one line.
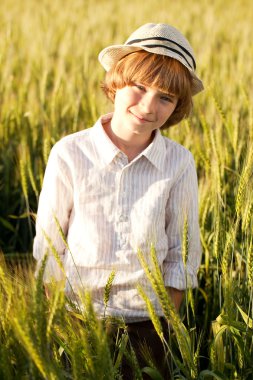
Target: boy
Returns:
[[121, 186]]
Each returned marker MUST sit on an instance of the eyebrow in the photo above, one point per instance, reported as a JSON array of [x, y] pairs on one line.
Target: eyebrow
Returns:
[[160, 92], [173, 96]]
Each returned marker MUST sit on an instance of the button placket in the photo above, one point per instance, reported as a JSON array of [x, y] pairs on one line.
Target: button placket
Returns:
[[122, 219]]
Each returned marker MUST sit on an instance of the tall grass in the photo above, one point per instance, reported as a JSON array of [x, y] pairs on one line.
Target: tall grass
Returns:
[[49, 87]]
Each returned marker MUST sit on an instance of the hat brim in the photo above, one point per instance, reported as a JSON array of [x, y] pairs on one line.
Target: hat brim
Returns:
[[109, 56]]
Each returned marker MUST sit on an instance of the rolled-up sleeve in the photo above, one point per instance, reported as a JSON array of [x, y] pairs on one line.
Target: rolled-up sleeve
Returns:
[[182, 206], [54, 209]]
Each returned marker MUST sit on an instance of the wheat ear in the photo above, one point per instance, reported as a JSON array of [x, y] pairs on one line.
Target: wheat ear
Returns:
[[107, 290]]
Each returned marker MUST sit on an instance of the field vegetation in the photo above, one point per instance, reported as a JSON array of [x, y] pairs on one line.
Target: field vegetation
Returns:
[[49, 87]]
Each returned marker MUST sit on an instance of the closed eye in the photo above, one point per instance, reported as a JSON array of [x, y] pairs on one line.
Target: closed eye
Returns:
[[139, 86], [168, 98]]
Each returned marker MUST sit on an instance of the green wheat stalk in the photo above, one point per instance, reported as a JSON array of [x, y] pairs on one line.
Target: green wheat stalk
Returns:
[[23, 178], [107, 290], [152, 313], [122, 344], [170, 313], [247, 216], [185, 242], [54, 252], [229, 246], [217, 234], [217, 347], [243, 185], [57, 304], [46, 149], [31, 177], [97, 344], [24, 184], [217, 165], [67, 246], [4, 283], [40, 303], [250, 265], [131, 357], [30, 348]]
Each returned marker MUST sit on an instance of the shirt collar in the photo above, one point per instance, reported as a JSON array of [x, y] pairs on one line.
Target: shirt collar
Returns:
[[107, 151], [156, 151]]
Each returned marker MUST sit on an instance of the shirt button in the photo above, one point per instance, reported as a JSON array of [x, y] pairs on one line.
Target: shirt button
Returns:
[[123, 242], [122, 218]]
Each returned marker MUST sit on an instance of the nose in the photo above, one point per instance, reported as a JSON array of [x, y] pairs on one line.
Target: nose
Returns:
[[147, 103]]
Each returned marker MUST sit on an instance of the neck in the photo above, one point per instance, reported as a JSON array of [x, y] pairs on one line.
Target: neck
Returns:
[[131, 145]]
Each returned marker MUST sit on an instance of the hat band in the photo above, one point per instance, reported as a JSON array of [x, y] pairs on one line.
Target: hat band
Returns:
[[166, 47], [173, 50]]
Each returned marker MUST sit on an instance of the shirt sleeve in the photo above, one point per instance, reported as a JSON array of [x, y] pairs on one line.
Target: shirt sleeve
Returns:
[[54, 208], [182, 206]]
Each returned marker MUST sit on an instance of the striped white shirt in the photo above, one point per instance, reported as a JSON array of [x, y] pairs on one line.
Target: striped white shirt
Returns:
[[108, 208]]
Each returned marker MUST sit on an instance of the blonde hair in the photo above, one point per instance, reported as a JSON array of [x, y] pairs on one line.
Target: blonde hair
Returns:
[[153, 70]]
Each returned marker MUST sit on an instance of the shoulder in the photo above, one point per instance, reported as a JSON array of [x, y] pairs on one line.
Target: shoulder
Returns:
[[177, 162], [73, 140], [176, 153], [72, 146]]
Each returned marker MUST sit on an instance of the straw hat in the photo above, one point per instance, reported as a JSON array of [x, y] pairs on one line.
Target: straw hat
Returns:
[[158, 39]]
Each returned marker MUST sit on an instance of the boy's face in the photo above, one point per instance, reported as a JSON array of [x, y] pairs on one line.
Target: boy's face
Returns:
[[142, 109]]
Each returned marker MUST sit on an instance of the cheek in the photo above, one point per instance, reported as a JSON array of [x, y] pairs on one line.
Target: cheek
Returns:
[[123, 96], [172, 109], [167, 113], [118, 101], [174, 106]]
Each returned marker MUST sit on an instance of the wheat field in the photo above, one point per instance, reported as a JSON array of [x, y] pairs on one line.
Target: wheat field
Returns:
[[49, 87]]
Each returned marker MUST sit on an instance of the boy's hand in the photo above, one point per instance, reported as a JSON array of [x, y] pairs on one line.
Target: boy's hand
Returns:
[[176, 296], [51, 288], [48, 291]]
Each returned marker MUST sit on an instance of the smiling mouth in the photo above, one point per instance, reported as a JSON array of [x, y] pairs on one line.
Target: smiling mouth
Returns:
[[140, 118]]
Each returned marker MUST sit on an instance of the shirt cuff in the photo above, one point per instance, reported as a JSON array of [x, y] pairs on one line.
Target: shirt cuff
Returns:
[[52, 272], [176, 275]]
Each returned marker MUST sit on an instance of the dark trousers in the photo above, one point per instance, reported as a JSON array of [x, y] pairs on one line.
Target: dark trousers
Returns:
[[148, 348]]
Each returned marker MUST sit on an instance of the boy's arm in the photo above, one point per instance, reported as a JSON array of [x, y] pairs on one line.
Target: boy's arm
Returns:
[[176, 296], [181, 265], [53, 214]]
